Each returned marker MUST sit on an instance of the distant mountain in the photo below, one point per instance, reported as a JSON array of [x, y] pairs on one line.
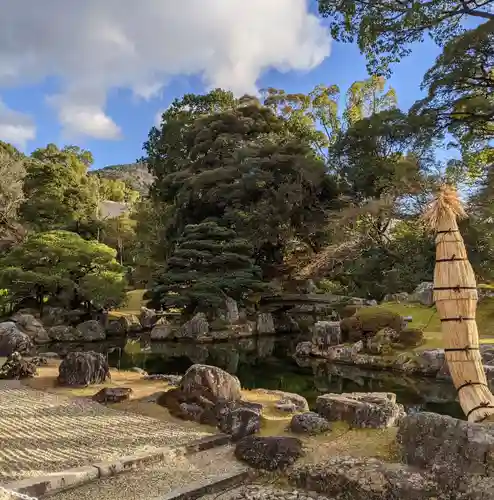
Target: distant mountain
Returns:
[[135, 175]]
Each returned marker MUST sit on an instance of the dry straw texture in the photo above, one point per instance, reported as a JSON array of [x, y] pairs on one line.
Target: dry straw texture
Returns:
[[455, 294]]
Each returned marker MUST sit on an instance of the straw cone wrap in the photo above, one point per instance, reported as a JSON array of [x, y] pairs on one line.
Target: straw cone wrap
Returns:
[[455, 295]]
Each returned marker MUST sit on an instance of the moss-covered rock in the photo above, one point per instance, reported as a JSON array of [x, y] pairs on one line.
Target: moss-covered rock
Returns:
[[411, 337]]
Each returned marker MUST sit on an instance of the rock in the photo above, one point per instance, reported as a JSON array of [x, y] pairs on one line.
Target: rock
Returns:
[[431, 361], [213, 382], [195, 327], [17, 368], [423, 294], [397, 297], [375, 410], [13, 340], [162, 330], [232, 314], [430, 440], [39, 361], [154, 397], [265, 492], [63, 333], [309, 423], [303, 349], [326, 333], [265, 324], [238, 420], [171, 379], [147, 318], [81, 369], [112, 395], [382, 341], [53, 316], [365, 479], [32, 327], [91, 331], [299, 402], [269, 453]]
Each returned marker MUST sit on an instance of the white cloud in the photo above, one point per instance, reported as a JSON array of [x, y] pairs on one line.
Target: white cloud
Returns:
[[16, 128], [93, 46]]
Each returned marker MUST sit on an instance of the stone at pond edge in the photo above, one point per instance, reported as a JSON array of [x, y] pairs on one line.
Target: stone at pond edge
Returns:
[[171, 379], [147, 317], [195, 327], [214, 382], [17, 368], [375, 410], [309, 423], [13, 340], [269, 453], [32, 327], [326, 333], [162, 330], [80, 369], [431, 440], [112, 395], [265, 324], [91, 331], [63, 333]]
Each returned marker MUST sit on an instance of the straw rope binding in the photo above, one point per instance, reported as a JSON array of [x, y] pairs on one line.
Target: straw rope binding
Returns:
[[455, 295]]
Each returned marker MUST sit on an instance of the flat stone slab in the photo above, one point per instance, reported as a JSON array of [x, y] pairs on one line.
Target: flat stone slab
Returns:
[[375, 410], [42, 433]]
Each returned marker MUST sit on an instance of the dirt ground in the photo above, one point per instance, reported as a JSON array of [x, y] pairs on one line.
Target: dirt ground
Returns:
[[341, 440]]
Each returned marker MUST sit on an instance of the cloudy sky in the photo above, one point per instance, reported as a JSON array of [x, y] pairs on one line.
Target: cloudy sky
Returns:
[[97, 72]]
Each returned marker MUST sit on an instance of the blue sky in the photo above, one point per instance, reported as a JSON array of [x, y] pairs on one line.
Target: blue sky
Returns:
[[31, 101]]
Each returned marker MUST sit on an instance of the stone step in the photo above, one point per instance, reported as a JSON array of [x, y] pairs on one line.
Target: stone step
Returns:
[[183, 477]]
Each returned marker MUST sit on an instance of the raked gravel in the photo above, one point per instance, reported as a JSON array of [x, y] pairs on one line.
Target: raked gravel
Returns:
[[42, 432], [154, 481]]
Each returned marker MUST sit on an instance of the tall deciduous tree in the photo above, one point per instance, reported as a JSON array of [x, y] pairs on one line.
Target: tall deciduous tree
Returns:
[[385, 30], [57, 188], [12, 173], [460, 97]]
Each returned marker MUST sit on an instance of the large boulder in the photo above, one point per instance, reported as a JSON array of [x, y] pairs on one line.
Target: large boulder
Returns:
[[365, 479], [147, 318], [309, 423], [53, 316], [32, 327], [17, 368], [423, 294], [91, 331], [375, 410], [197, 326], [162, 330], [430, 440], [13, 340], [80, 369], [63, 333], [287, 401], [269, 453], [215, 383]]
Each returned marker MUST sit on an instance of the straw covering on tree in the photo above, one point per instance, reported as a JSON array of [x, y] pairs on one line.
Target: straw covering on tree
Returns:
[[455, 295]]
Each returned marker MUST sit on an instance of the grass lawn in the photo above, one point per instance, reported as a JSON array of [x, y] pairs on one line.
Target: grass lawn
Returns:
[[426, 318], [135, 300]]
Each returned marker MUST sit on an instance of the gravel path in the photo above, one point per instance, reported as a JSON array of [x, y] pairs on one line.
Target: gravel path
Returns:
[[42, 432], [153, 481]]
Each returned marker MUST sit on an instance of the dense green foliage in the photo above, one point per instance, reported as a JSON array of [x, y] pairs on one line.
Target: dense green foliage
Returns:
[[209, 264], [65, 269]]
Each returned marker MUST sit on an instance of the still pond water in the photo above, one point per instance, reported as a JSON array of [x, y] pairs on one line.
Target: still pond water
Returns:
[[266, 362]]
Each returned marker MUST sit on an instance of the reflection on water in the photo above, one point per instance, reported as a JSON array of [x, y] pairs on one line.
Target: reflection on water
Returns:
[[266, 362]]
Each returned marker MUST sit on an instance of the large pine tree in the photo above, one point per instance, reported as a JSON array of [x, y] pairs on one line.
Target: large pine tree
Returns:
[[209, 263]]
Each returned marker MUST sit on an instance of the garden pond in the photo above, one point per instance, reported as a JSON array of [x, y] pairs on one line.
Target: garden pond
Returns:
[[267, 362]]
